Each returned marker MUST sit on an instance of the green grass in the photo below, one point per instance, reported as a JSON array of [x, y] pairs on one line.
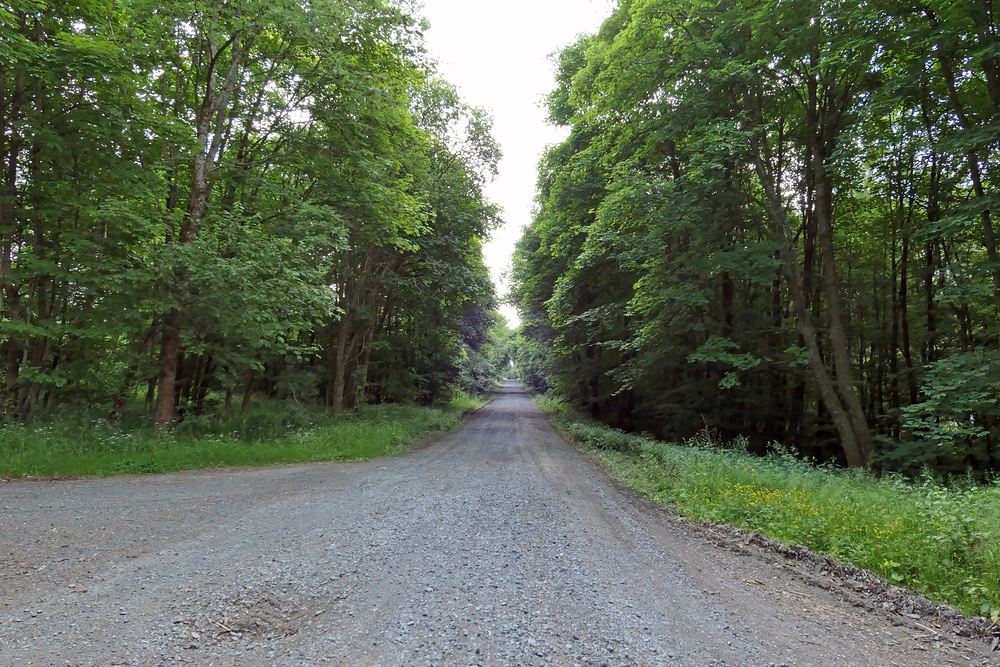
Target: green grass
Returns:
[[943, 541], [74, 444], [464, 403]]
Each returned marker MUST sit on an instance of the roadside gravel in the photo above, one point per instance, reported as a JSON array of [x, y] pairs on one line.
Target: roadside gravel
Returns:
[[496, 545]]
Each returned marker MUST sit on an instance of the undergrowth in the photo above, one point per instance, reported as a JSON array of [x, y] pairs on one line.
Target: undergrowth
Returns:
[[941, 540], [77, 444]]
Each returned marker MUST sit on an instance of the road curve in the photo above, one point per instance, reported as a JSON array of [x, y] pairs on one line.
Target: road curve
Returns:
[[497, 545]]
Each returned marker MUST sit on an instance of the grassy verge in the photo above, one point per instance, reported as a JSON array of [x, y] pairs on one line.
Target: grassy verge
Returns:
[[266, 434], [941, 541]]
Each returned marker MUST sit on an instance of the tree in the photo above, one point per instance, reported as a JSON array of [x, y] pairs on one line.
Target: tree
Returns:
[[751, 198], [221, 196]]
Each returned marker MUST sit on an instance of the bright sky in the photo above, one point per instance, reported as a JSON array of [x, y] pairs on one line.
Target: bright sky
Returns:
[[497, 53]]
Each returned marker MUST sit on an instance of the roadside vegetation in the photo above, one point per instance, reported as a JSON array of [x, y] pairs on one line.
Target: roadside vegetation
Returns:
[[267, 433], [777, 217], [940, 540], [206, 205]]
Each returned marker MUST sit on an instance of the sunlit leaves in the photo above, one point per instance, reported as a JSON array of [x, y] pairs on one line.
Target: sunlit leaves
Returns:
[[238, 178]]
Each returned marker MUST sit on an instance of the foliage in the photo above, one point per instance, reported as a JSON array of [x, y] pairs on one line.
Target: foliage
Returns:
[[957, 390], [487, 362], [775, 219], [210, 200]]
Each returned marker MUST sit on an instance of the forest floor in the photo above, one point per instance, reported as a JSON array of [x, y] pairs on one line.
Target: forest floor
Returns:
[[496, 545]]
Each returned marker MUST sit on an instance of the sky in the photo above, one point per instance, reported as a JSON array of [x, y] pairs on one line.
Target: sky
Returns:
[[497, 54]]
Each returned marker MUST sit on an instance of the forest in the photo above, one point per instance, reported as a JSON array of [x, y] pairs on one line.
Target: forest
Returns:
[[205, 203], [774, 220]]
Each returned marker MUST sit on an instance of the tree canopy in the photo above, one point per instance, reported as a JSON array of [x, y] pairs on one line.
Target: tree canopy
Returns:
[[776, 219], [201, 199]]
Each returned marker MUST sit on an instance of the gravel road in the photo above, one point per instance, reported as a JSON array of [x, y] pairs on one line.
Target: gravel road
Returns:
[[496, 545]]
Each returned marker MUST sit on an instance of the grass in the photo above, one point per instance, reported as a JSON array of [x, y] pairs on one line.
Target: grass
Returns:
[[943, 541], [76, 444]]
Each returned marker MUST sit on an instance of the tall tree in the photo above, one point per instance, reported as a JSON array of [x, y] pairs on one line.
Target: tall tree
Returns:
[[214, 197], [751, 196]]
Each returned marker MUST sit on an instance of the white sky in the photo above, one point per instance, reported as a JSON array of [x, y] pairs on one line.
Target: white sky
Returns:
[[497, 55]]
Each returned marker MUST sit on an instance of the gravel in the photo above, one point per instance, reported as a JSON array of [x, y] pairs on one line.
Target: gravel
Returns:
[[496, 545]]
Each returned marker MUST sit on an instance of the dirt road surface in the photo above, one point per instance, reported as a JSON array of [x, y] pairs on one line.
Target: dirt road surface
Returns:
[[496, 545]]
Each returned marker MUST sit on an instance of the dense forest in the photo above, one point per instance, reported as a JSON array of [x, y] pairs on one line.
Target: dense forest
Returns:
[[207, 201], [776, 219]]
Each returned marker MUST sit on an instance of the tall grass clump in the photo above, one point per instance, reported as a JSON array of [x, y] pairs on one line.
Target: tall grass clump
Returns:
[[79, 444], [941, 540]]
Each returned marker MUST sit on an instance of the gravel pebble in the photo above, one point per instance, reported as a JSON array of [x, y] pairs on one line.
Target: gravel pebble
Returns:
[[496, 545]]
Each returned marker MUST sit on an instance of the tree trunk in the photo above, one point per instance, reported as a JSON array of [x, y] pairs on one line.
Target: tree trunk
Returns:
[[14, 348], [823, 143], [166, 391], [209, 113], [904, 319], [202, 385], [185, 366], [853, 450], [247, 392], [362, 379], [339, 363], [894, 344], [150, 395]]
